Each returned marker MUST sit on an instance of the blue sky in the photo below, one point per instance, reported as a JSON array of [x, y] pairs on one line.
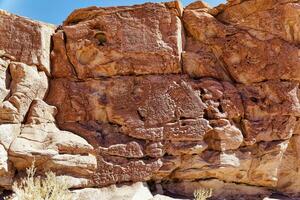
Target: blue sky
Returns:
[[55, 11]]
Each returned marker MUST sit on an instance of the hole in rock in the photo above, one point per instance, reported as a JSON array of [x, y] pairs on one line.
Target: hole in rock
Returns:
[[253, 99], [101, 37], [220, 108], [8, 79], [5, 194], [183, 124]]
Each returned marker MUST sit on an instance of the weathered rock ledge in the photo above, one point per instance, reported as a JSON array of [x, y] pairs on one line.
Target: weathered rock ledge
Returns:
[[181, 98]]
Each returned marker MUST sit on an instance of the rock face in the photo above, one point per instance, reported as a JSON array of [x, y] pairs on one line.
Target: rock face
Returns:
[[28, 131], [119, 41], [186, 98], [25, 40]]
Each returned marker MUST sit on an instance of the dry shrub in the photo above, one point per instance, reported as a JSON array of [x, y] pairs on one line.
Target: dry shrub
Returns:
[[37, 188], [202, 193]]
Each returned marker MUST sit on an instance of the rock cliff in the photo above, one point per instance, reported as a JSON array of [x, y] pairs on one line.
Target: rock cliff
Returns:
[[182, 98]]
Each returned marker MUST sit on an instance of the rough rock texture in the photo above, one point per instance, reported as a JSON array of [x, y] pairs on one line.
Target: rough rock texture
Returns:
[[49, 148], [97, 42], [25, 40], [28, 132], [182, 98]]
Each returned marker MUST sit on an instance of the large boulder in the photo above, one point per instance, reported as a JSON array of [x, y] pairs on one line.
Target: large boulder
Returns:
[[43, 145], [141, 39], [26, 84], [249, 54]]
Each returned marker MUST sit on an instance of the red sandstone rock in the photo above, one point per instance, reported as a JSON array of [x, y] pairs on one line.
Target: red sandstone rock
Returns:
[[265, 18], [122, 106], [247, 57], [288, 172], [25, 40], [142, 39], [200, 61], [41, 142]]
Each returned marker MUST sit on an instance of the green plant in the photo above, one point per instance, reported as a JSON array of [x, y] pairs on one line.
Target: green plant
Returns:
[[37, 188], [202, 193]]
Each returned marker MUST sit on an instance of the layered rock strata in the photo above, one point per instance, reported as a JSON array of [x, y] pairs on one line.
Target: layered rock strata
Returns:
[[28, 131], [185, 98]]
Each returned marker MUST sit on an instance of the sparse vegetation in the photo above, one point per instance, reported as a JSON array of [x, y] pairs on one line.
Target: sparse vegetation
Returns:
[[38, 188], [202, 193]]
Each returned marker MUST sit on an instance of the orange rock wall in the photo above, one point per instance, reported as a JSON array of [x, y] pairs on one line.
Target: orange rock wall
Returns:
[[185, 98]]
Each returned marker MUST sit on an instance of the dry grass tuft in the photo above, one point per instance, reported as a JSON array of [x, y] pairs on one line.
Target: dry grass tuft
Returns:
[[37, 188], [202, 193]]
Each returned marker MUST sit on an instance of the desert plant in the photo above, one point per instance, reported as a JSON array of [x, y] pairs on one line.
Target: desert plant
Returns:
[[38, 188], [202, 193]]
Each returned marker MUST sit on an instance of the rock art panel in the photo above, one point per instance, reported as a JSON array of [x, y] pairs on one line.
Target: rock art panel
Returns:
[[141, 39], [247, 57], [26, 41], [181, 98], [139, 117], [264, 19], [227, 113]]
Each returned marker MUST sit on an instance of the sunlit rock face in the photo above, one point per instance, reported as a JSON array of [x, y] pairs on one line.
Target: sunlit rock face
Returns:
[[184, 98], [138, 40], [28, 131]]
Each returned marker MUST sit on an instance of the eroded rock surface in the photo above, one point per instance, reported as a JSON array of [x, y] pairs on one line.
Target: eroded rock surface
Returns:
[[25, 40], [183, 98], [28, 133], [249, 54], [141, 39], [228, 113]]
